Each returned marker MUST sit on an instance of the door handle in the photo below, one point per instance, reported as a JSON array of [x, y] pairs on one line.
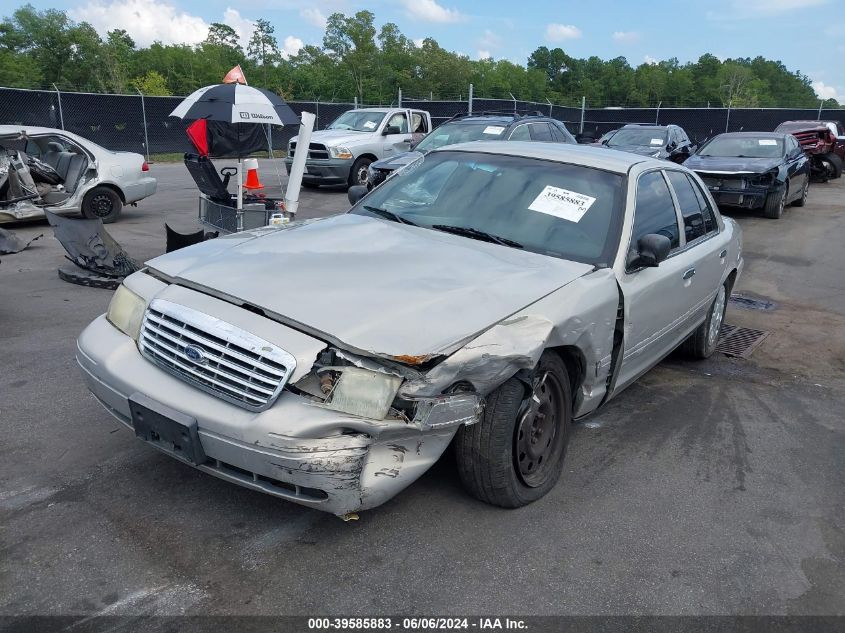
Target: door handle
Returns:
[[723, 254], [689, 274]]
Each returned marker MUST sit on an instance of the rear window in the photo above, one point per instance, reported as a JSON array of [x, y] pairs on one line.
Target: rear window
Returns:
[[462, 132]]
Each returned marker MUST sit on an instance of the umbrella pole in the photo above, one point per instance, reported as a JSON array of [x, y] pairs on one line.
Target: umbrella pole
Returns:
[[240, 184]]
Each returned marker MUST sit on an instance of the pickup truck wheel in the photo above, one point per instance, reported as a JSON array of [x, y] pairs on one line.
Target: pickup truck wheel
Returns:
[[775, 202], [359, 173], [515, 454], [833, 164], [802, 200], [103, 203], [702, 343]]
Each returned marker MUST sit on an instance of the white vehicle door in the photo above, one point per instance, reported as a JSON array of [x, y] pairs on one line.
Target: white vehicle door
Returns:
[[658, 301], [397, 134], [419, 125]]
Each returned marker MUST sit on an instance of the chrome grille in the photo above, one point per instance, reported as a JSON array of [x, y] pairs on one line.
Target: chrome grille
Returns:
[[315, 150], [214, 356], [726, 182]]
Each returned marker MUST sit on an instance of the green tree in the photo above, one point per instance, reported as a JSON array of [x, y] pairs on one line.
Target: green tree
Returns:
[[263, 46], [152, 84], [350, 41]]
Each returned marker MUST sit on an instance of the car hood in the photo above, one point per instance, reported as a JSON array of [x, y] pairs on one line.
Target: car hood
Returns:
[[372, 286], [642, 150], [731, 164], [336, 137], [396, 161]]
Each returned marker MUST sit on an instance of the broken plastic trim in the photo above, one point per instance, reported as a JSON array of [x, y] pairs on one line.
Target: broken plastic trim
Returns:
[[447, 411], [11, 243], [89, 246]]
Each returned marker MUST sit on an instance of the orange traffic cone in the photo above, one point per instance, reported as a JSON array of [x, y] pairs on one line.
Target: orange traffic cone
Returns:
[[252, 182]]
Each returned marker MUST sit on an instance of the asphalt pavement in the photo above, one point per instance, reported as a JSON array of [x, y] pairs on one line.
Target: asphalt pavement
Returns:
[[713, 487]]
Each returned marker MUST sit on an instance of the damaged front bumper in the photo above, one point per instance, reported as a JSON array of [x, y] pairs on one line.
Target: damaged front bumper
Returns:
[[294, 450]]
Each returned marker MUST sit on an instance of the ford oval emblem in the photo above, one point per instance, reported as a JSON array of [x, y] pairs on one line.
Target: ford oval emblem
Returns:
[[194, 353]]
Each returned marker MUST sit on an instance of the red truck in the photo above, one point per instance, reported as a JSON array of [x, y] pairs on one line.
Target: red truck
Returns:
[[824, 144]]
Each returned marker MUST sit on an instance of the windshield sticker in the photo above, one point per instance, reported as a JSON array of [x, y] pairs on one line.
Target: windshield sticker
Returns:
[[369, 125], [562, 203], [767, 141], [494, 129], [657, 141]]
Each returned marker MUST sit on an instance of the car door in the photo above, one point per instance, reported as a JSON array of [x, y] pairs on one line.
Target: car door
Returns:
[[797, 167], [397, 134], [659, 301], [540, 132]]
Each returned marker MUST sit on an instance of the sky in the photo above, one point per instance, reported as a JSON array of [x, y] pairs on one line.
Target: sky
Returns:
[[806, 35]]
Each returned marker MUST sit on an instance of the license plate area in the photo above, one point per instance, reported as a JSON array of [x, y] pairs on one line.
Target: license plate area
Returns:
[[169, 430]]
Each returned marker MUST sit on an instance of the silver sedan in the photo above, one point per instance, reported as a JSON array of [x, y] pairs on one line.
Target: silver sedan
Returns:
[[490, 295], [44, 168]]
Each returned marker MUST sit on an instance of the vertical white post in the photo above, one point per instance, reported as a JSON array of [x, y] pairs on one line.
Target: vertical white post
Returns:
[[241, 184], [61, 116], [469, 101], [356, 102], [657, 115], [514, 102], [550, 106], [400, 97], [728, 118], [583, 108], [298, 166], [144, 115], [821, 103]]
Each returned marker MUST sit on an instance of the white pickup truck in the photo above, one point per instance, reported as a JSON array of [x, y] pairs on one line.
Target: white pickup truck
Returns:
[[341, 154]]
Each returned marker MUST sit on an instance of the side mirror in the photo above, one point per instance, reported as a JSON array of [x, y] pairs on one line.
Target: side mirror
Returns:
[[355, 193], [651, 250], [391, 129]]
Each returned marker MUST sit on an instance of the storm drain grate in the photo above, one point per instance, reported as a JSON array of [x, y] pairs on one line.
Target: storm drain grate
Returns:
[[750, 303], [739, 341]]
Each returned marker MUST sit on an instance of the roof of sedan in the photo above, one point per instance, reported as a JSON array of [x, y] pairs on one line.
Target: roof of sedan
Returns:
[[5, 130], [779, 135], [588, 156]]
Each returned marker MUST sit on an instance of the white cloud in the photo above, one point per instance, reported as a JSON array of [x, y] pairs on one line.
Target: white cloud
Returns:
[[489, 40], [291, 46], [145, 20], [419, 42], [648, 59], [430, 11], [561, 32], [823, 91], [482, 54], [313, 16], [242, 26], [626, 37]]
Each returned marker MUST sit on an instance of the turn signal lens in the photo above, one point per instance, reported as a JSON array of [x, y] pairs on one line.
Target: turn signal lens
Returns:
[[145, 167]]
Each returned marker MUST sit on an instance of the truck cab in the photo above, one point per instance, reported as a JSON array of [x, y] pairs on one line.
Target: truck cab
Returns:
[[341, 154]]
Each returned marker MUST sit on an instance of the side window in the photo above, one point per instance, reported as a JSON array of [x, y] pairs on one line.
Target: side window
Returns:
[[540, 132], [558, 134], [710, 223], [399, 120], [655, 211], [690, 207], [520, 133], [419, 124]]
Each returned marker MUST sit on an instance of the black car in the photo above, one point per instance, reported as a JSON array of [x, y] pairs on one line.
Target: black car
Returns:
[[668, 142], [754, 170], [481, 126]]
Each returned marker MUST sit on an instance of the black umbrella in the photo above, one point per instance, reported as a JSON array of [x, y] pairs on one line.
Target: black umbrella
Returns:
[[236, 103]]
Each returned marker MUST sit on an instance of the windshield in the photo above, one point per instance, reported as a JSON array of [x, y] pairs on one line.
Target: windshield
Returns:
[[743, 147], [650, 138], [461, 132], [357, 121], [567, 211]]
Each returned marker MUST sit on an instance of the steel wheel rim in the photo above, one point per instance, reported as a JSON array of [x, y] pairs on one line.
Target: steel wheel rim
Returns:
[[716, 317], [539, 432], [363, 175], [101, 205]]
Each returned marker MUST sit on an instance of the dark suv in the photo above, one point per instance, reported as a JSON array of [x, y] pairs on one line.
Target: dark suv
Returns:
[[669, 142], [480, 126]]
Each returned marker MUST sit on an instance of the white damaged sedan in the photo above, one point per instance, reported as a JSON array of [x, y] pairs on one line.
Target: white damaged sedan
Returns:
[[489, 295], [44, 168]]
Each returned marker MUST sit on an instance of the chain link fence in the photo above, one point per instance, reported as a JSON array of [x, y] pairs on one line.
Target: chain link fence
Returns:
[[142, 124]]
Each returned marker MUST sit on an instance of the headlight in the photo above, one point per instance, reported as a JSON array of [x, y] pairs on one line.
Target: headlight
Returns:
[[340, 152], [126, 311], [360, 391]]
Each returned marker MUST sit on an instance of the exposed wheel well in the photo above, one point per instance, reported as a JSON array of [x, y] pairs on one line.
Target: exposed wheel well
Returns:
[[731, 280], [372, 157], [576, 367], [113, 187]]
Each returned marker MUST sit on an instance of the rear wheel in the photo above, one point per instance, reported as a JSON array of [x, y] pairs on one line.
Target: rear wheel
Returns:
[[102, 203], [515, 454], [775, 203], [833, 164]]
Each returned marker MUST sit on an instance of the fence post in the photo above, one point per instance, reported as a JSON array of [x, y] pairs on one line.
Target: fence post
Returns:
[[728, 119], [400, 97], [821, 103], [356, 101], [61, 116], [657, 115], [514, 102], [469, 102], [317, 116], [550, 107], [583, 108], [144, 115]]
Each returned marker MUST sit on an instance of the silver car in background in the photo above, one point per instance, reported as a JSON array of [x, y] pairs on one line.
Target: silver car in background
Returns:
[[44, 168], [489, 296]]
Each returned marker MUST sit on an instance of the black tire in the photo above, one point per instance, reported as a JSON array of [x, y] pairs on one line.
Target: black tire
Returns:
[[702, 343], [502, 460], [80, 277], [310, 185], [802, 199], [102, 203], [834, 165], [775, 203], [358, 174]]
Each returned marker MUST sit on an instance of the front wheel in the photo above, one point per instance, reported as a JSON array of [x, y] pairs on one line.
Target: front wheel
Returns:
[[702, 343], [802, 200], [102, 203], [775, 202], [515, 454], [359, 175]]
